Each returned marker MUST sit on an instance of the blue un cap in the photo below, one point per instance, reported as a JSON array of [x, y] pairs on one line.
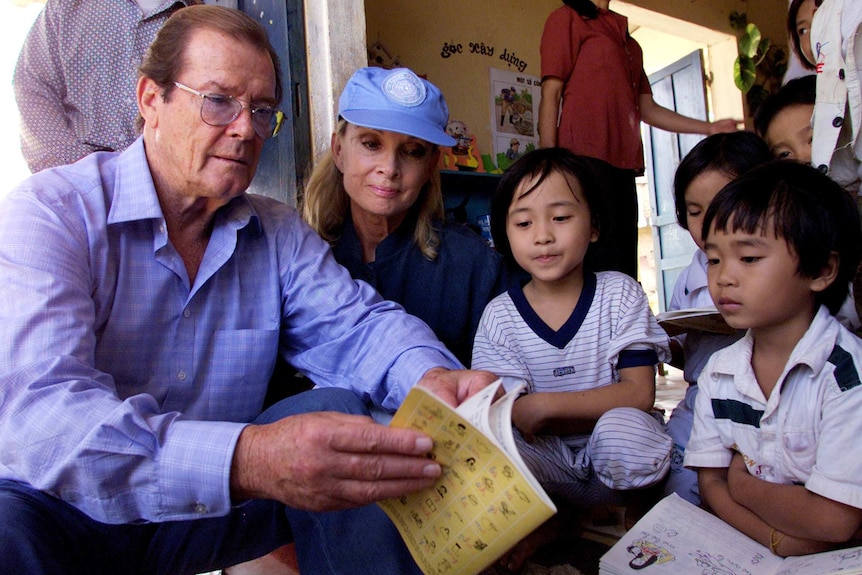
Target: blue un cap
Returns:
[[396, 101]]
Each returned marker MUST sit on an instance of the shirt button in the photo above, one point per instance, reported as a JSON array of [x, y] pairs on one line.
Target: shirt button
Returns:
[[181, 376], [841, 74], [200, 508], [186, 313], [838, 121]]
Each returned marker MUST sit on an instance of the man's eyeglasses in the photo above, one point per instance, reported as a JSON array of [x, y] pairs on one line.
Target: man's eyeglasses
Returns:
[[221, 110]]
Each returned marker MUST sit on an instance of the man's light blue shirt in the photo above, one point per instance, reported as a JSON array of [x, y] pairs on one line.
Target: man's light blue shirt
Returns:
[[123, 388]]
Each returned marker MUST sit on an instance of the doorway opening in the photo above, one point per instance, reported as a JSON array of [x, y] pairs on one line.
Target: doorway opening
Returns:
[[667, 41]]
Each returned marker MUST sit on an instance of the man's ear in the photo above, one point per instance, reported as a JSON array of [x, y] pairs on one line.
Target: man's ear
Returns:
[[827, 274], [149, 97]]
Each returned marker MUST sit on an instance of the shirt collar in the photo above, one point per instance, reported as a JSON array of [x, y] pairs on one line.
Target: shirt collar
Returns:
[[134, 192], [397, 240], [240, 212], [135, 195], [697, 277], [813, 350]]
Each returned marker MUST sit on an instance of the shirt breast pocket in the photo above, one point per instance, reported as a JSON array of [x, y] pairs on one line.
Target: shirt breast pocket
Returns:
[[242, 361], [800, 453]]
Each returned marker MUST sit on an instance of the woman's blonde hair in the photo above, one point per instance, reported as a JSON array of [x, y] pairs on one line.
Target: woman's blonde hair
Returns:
[[325, 204]]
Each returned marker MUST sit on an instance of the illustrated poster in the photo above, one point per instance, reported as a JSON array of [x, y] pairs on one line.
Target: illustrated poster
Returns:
[[514, 114]]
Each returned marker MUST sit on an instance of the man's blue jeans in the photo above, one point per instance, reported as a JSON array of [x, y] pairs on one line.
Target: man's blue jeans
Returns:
[[43, 535]]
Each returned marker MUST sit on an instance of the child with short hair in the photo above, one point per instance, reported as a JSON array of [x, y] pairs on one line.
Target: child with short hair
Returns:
[[586, 344], [708, 167], [784, 119], [776, 432]]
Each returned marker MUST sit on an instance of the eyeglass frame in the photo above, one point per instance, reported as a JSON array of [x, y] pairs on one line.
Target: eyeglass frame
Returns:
[[279, 115]]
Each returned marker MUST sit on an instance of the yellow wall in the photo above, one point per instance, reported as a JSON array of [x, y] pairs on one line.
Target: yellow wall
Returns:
[[418, 33]]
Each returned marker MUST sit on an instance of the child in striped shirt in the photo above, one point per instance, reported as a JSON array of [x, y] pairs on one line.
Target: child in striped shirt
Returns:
[[586, 344]]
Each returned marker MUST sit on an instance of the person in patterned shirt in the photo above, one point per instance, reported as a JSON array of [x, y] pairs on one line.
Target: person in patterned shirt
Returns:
[[75, 77]]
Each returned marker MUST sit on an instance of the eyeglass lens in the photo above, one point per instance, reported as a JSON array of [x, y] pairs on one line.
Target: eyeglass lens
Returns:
[[220, 110]]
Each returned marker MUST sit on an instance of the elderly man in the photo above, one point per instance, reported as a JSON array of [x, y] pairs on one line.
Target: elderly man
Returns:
[[146, 298]]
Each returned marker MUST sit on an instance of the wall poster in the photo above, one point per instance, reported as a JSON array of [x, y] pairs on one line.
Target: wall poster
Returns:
[[514, 114]]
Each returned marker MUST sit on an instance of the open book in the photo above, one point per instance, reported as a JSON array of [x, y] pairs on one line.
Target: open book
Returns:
[[486, 500], [678, 537], [706, 319]]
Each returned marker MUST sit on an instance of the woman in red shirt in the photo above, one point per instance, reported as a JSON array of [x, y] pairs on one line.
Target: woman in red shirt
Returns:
[[593, 69]]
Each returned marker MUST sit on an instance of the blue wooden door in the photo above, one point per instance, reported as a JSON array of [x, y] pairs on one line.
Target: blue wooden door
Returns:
[[286, 158], [679, 87]]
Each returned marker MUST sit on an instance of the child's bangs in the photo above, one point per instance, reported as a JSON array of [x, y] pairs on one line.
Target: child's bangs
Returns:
[[758, 211]]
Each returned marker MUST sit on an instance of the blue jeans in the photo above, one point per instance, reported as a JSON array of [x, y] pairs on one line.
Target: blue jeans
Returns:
[[40, 534]]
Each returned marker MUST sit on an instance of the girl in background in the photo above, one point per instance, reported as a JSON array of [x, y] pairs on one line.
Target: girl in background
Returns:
[[823, 34], [594, 84]]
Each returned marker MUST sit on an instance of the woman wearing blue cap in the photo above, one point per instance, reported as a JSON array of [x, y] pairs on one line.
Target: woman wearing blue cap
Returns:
[[376, 197]]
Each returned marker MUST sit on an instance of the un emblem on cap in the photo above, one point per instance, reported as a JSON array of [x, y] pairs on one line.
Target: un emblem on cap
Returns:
[[403, 87]]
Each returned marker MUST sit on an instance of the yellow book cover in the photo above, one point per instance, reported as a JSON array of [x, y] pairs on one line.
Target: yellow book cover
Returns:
[[486, 499]]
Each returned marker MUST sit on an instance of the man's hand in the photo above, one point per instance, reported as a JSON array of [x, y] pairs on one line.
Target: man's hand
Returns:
[[454, 386], [326, 461]]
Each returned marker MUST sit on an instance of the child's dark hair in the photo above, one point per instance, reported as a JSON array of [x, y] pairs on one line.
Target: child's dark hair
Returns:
[[808, 210], [539, 164], [732, 154], [797, 92], [793, 34]]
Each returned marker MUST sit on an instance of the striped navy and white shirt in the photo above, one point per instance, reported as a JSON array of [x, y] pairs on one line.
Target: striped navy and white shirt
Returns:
[[611, 327]]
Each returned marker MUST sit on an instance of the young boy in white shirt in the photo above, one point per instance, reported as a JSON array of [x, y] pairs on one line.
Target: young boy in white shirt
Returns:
[[776, 436]]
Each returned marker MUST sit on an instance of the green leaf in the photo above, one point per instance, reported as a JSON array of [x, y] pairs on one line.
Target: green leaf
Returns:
[[750, 41], [744, 73], [488, 164]]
